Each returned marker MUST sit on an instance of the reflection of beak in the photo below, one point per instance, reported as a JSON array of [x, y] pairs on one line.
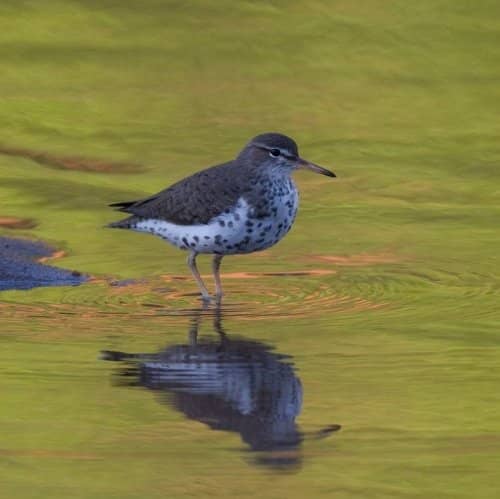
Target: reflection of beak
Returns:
[[303, 164]]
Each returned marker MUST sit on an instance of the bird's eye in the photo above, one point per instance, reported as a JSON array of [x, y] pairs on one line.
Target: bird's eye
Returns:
[[274, 153]]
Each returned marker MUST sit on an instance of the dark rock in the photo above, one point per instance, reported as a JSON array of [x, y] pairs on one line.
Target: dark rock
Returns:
[[19, 268]]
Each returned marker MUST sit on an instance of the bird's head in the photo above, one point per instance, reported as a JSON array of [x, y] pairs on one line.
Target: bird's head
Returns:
[[278, 152]]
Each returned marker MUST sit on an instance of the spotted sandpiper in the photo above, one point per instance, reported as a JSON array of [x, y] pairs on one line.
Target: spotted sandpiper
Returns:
[[245, 205]]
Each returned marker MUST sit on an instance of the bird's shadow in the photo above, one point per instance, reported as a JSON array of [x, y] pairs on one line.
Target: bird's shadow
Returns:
[[230, 384]]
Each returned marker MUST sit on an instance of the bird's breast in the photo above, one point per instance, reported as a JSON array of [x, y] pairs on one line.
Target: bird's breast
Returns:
[[271, 213], [258, 220]]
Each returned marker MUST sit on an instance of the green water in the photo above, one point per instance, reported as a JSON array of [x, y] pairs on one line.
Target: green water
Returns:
[[384, 296]]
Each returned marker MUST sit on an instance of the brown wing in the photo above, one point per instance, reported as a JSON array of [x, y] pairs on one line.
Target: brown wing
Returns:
[[193, 200]]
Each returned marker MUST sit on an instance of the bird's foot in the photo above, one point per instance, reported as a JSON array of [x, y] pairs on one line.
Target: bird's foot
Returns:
[[208, 299], [218, 297]]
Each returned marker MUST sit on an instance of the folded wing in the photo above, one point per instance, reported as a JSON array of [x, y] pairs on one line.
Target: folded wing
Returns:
[[194, 200]]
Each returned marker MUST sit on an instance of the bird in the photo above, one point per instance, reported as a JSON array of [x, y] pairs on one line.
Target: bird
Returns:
[[241, 206]]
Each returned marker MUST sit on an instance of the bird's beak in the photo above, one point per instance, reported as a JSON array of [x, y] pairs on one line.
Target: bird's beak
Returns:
[[306, 165]]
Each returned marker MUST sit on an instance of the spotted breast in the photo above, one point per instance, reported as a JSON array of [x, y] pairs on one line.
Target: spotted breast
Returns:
[[257, 220]]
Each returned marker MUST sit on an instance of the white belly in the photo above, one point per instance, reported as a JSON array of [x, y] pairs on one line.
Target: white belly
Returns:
[[238, 231]]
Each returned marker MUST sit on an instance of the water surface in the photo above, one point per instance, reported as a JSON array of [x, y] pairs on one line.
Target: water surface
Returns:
[[359, 357]]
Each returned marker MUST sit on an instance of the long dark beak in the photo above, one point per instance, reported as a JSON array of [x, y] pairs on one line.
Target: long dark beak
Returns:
[[306, 165]]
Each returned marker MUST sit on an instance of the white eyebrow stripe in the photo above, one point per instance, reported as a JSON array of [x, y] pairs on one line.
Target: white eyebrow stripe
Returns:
[[284, 152]]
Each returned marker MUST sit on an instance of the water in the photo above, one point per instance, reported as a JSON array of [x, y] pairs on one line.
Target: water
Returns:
[[359, 357], [229, 384], [329, 399]]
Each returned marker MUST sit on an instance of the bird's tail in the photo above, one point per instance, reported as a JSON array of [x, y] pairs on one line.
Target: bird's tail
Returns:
[[126, 223]]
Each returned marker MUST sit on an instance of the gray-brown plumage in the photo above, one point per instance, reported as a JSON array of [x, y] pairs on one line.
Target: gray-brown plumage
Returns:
[[194, 200]]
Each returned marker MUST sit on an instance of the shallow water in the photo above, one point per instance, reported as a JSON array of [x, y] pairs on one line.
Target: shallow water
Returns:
[[359, 357], [323, 394]]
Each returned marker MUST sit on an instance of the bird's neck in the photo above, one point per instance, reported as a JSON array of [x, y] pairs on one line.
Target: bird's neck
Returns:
[[273, 181], [276, 176]]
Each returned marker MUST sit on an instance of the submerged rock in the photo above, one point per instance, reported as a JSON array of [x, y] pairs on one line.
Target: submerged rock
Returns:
[[20, 268]]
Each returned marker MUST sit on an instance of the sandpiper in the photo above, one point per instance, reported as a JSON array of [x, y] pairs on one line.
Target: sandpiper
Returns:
[[242, 206]]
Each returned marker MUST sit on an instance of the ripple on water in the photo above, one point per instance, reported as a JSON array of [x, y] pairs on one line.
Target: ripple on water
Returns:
[[397, 287], [406, 290], [250, 295]]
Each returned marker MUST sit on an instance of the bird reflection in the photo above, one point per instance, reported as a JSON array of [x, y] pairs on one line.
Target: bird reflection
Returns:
[[229, 384]]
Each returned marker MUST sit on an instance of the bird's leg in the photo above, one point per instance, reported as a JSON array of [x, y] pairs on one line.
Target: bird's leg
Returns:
[[194, 270], [195, 324], [218, 325], [216, 270]]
